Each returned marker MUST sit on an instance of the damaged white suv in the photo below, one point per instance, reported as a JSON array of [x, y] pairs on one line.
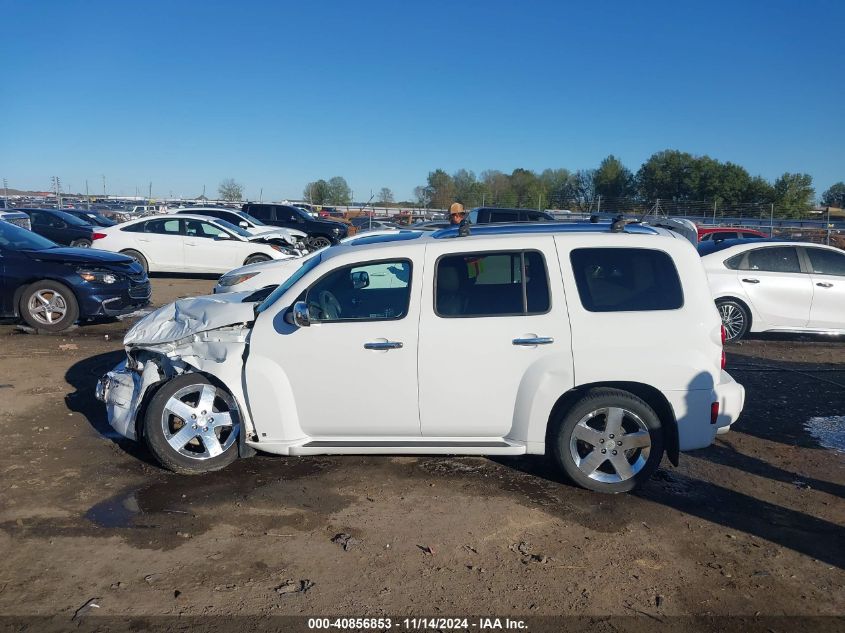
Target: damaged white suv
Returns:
[[597, 344]]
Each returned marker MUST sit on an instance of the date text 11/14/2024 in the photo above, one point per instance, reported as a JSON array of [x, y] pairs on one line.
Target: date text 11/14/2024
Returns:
[[418, 624]]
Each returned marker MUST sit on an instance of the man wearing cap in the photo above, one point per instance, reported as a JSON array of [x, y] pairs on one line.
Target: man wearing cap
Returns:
[[456, 213]]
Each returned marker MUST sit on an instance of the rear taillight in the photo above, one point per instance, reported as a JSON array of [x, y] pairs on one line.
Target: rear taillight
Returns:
[[724, 336], [714, 412], [99, 236]]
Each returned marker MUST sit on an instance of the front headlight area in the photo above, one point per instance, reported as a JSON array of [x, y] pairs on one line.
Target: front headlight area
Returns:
[[233, 280], [96, 276]]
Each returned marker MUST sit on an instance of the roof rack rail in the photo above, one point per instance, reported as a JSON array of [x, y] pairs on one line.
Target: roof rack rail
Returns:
[[547, 227]]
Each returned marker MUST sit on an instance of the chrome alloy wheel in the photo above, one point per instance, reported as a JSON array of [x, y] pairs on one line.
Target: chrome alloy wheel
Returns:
[[610, 444], [200, 421], [733, 319], [47, 306]]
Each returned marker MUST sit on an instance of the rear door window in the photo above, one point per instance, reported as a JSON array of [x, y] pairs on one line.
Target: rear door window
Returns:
[[512, 283], [503, 216], [261, 211], [779, 259], [626, 279], [163, 227]]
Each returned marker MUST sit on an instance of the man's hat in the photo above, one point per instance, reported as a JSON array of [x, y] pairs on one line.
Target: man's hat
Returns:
[[456, 207]]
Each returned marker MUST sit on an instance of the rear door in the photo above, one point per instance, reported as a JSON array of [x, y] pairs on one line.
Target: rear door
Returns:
[[487, 319], [827, 273], [162, 244], [774, 283], [48, 226]]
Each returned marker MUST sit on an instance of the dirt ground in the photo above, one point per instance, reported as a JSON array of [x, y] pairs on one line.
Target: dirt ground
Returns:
[[755, 524]]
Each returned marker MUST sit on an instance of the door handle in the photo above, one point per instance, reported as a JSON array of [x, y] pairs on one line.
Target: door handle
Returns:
[[751, 281], [538, 340], [383, 345], [824, 284]]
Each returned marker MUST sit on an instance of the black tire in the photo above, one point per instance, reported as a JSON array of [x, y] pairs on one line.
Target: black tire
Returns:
[[637, 418], [82, 243], [59, 295], [735, 318], [254, 259], [159, 415], [138, 258], [319, 241]]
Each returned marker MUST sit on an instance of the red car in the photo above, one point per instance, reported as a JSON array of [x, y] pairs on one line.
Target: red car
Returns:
[[719, 233]]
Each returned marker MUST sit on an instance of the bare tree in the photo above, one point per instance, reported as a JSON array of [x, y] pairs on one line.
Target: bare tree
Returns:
[[385, 196], [230, 190]]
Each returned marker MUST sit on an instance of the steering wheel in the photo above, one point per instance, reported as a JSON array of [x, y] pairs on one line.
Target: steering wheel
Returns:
[[329, 305]]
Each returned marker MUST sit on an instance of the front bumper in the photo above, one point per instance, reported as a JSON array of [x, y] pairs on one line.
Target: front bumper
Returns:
[[731, 398], [114, 301], [122, 390]]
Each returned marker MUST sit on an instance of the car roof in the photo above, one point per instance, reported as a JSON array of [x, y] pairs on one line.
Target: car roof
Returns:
[[742, 245], [728, 229]]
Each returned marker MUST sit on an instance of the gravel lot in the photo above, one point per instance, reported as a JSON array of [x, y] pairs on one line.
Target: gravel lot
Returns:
[[752, 525]]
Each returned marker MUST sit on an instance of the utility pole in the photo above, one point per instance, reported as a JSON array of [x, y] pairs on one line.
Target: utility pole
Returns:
[[714, 212], [598, 209], [151, 191], [87, 197], [104, 186], [261, 194], [6, 192], [772, 221]]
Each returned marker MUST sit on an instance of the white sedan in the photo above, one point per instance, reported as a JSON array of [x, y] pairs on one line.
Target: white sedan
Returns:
[[774, 286], [263, 274], [186, 243]]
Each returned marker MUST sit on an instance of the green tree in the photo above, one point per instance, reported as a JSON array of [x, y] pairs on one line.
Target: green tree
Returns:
[[230, 190], [559, 188], [442, 189], [339, 191], [794, 194], [317, 192], [835, 196], [496, 187], [612, 179], [525, 187], [668, 175], [422, 195]]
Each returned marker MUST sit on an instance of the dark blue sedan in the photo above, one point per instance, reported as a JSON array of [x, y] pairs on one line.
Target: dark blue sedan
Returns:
[[51, 287]]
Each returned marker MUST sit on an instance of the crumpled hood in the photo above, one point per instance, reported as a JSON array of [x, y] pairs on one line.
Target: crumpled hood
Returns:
[[185, 317], [78, 256]]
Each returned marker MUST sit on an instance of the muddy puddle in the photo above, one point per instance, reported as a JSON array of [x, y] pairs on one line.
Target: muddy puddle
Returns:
[[828, 431]]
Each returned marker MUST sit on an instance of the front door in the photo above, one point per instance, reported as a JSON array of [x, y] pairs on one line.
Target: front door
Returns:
[[487, 319], [353, 372], [781, 294], [207, 251], [828, 276]]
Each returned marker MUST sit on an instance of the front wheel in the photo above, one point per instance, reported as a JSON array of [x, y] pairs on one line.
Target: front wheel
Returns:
[[320, 242], [734, 318], [81, 243], [254, 259], [192, 425], [609, 441], [49, 306], [138, 258]]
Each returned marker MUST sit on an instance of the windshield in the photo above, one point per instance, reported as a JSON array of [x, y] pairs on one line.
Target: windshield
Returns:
[[302, 212], [15, 238], [252, 219], [307, 265], [234, 229]]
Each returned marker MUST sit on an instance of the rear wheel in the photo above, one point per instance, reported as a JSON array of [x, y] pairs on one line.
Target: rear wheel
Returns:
[[609, 441], [734, 318], [138, 258], [83, 243], [192, 425], [48, 305], [254, 259]]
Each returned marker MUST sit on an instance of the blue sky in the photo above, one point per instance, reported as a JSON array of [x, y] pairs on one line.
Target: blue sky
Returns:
[[275, 94]]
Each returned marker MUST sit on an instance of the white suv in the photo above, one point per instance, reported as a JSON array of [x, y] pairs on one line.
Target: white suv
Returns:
[[598, 345]]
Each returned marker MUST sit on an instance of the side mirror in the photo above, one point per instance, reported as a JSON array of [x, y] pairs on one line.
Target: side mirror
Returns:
[[360, 279], [243, 224], [221, 236], [301, 318]]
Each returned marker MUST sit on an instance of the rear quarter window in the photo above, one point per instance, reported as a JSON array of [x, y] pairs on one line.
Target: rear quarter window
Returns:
[[626, 279]]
